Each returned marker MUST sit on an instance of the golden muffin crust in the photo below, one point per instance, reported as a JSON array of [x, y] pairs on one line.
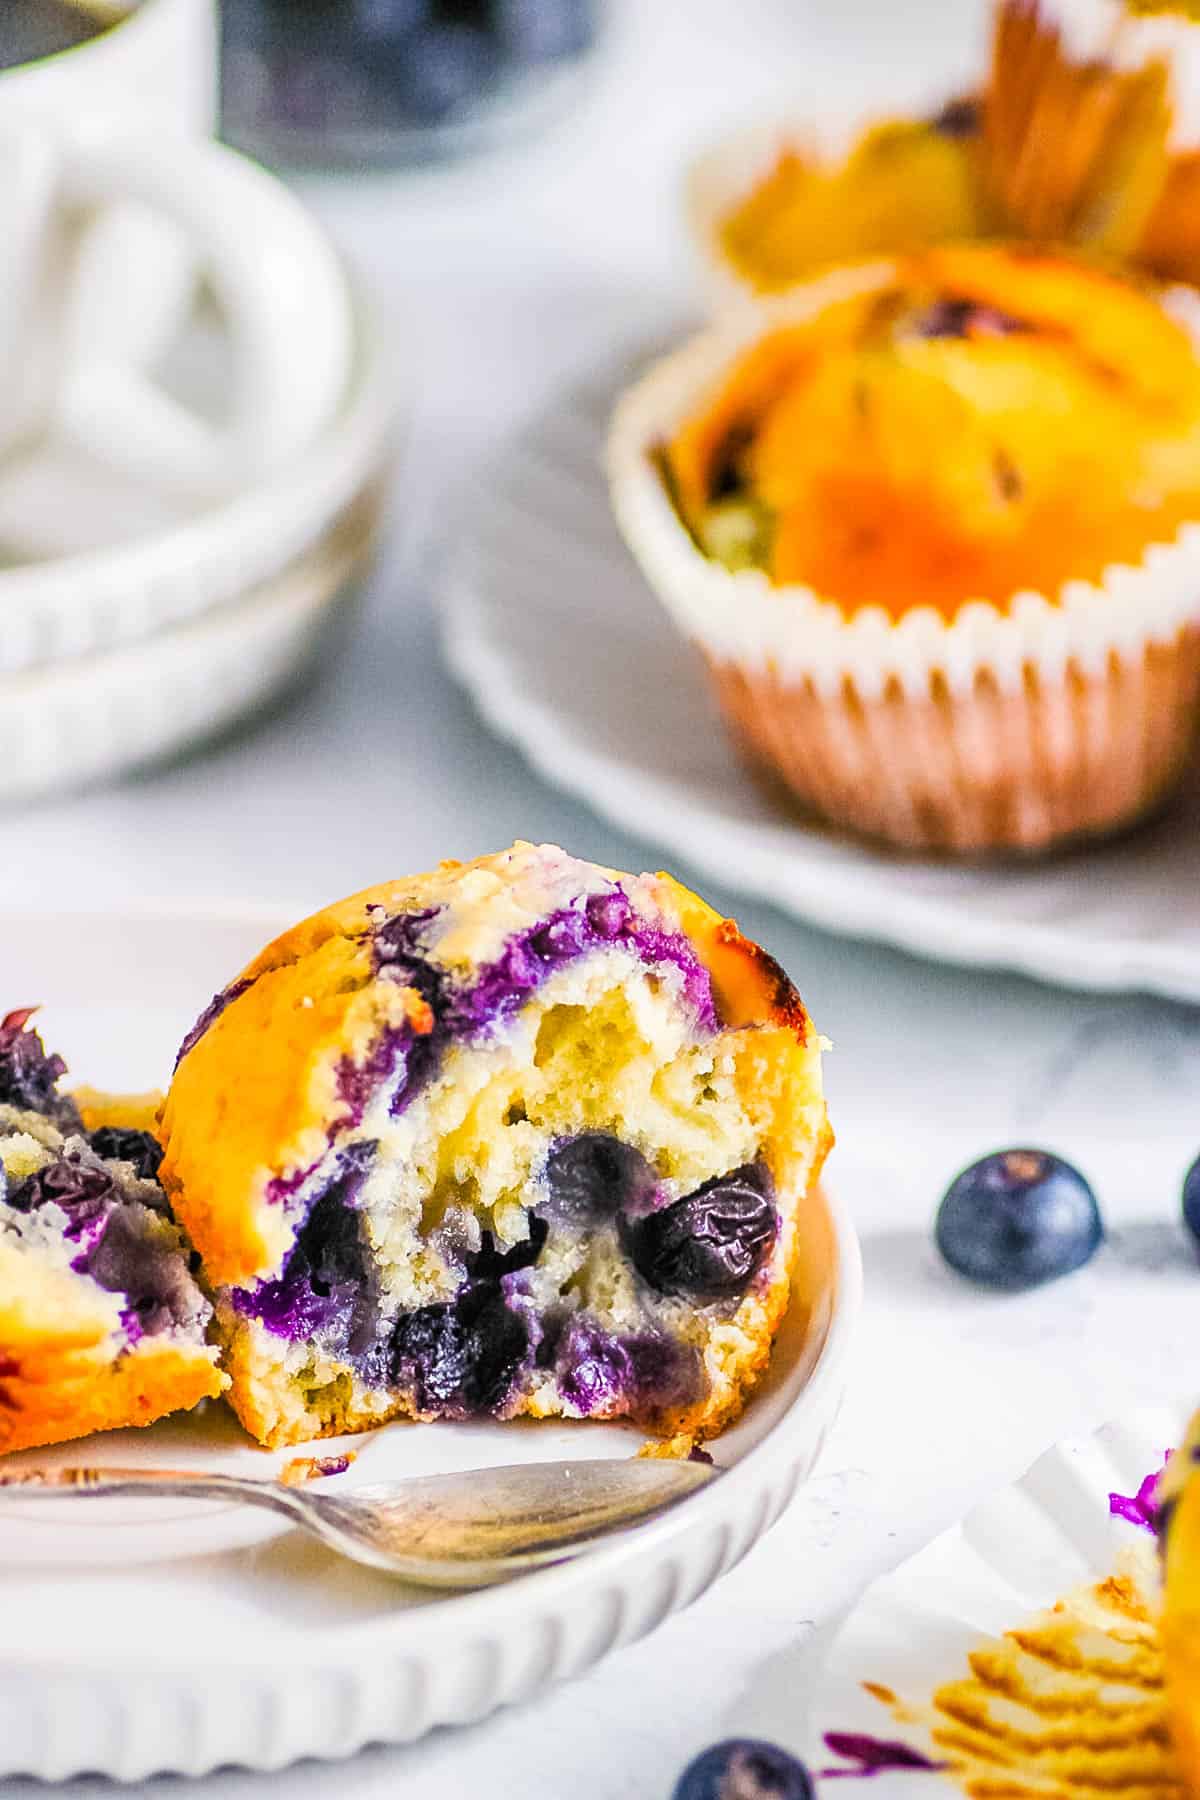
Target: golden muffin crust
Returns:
[[981, 422], [903, 183], [62, 1374]]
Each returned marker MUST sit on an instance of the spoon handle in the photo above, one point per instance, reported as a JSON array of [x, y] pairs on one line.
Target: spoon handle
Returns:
[[175, 1484]]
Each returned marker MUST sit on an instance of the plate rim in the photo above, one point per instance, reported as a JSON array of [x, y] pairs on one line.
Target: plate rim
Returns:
[[476, 1612]]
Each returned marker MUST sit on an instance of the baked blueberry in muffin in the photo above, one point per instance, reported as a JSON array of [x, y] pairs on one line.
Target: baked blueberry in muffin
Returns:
[[523, 1136], [101, 1322]]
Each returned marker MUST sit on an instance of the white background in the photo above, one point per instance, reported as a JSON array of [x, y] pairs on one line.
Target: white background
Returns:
[[499, 279]]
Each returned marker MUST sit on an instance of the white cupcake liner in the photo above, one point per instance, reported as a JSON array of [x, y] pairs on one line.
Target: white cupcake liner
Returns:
[[796, 635], [1103, 31]]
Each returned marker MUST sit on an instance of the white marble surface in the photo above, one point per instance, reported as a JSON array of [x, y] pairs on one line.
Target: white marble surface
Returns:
[[501, 278]]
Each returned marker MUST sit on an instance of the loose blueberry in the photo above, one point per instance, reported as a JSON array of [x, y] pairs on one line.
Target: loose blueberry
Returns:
[[744, 1769], [1018, 1218], [1191, 1200], [711, 1243], [593, 1177], [141, 1148]]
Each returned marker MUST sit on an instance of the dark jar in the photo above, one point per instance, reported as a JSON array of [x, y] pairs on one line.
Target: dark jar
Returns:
[[359, 82]]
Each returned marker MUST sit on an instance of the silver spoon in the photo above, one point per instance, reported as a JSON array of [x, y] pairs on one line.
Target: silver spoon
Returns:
[[464, 1530]]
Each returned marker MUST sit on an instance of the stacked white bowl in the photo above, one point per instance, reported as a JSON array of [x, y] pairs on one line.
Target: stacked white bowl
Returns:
[[193, 413]]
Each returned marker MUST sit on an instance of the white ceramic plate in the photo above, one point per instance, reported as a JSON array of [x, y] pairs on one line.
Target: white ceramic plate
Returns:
[[1035, 1543], [139, 1637], [568, 653]]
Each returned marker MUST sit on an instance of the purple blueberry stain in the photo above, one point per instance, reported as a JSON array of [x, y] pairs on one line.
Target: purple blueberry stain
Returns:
[[212, 1012], [325, 1286], [1143, 1508], [865, 1755], [592, 1368]]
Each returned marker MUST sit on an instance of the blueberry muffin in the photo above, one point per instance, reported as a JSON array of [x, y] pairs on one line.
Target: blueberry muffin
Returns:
[[101, 1322], [932, 523], [520, 1137]]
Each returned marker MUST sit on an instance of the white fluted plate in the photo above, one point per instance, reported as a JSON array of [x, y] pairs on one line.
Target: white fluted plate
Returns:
[[1039, 1541], [143, 1636], [568, 654]]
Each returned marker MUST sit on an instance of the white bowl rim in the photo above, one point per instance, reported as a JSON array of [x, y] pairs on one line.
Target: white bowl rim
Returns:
[[367, 410]]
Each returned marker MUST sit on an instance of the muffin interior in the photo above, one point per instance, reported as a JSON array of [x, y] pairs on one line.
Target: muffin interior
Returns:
[[87, 1202], [553, 1192]]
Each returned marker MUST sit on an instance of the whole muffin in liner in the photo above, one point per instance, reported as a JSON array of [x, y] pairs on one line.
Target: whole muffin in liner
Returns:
[[1004, 727]]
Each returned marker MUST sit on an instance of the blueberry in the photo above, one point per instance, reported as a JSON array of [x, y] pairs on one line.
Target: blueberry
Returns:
[[1018, 1218], [29, 1076], [711, 1243], [744, 1769], [440, 68], [83, 1189], [1191, 1200], [592, 1177], [461, 1357], [544, 30], [327, 1285], [118, 1144]]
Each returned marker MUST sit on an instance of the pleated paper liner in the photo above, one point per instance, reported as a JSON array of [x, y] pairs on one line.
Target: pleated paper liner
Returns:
[[1011, 728], [1019, 1656]]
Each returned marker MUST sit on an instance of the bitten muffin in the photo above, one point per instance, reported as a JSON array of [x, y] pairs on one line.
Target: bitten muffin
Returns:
[[101, 1322], [773, 208], [523, 1136], [931, 523], [1179, 1531]]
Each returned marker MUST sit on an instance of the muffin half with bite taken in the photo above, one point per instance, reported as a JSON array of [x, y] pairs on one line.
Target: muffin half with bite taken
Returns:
[[520, 1137], [932, 523], [101, 1322]]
